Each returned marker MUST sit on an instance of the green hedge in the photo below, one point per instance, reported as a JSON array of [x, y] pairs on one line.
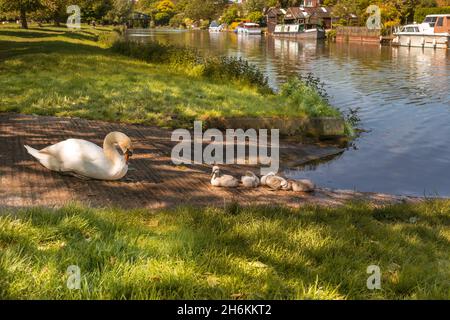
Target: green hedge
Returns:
[[421, 13]]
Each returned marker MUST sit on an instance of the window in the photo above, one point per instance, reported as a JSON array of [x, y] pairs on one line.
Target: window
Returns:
[[431, 21], [440, 22]]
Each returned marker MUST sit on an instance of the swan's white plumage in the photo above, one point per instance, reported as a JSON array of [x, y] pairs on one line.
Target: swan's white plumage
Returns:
[[250, 180], [223, 180], [274, 182], [83, 158]]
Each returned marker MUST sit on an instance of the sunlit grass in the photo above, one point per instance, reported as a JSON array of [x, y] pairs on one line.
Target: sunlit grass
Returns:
[[53, 71], [212, 253]]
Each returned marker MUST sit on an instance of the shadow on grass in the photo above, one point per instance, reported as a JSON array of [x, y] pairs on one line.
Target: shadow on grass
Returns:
[[38, 33], [174, 257], [10, 49]]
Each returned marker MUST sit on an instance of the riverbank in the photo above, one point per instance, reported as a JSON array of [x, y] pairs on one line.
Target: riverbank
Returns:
[[153, 181], [53, 71]]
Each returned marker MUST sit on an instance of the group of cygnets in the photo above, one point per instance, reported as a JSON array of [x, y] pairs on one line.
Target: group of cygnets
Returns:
[[85, 159], [251, 180]]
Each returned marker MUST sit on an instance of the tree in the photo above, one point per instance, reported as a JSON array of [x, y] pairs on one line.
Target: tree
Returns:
[[230, 14], [204, 9], [54, 10], [120, 11], [254, 5], [256, 17], [93, 9], [344, 9], [21, 6]]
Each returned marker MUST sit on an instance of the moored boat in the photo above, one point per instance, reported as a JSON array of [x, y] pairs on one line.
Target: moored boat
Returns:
[[215, 27], [299, 31], [249, 28], [434, 32]]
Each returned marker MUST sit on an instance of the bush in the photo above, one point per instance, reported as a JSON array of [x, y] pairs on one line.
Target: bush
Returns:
[[191, 61], [236, 69], [307, 94], [162, 18], [421, 13], [256, 17]]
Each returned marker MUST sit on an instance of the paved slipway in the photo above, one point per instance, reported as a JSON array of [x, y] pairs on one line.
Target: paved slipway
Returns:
[[153, 180]]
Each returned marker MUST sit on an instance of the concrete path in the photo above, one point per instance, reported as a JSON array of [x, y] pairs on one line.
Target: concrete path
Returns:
[[152, 182]]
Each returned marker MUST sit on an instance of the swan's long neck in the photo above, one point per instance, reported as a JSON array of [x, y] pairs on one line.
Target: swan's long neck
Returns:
[[109, 147]]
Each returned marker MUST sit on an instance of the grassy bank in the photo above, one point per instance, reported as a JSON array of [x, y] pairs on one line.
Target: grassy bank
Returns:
[[53, 71], [242, 253]]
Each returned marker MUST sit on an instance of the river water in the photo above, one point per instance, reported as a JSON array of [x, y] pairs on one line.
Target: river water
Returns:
[[403, 96]]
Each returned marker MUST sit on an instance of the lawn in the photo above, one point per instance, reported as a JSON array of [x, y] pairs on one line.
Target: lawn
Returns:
[[227, 253], [54, 71]]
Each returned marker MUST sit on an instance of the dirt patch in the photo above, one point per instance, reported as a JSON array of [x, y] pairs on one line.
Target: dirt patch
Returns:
[[153, 180]]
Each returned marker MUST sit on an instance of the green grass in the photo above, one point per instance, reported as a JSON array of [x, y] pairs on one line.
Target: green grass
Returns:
[[53, 71], [249, 253]]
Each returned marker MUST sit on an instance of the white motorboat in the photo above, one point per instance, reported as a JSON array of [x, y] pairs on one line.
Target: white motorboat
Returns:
[[249, 28], [434, 32]]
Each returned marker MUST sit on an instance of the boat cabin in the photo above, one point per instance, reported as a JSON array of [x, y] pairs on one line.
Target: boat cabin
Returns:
[[440, 22]]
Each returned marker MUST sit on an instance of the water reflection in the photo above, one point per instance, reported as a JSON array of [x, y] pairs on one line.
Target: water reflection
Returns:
[[403, 94]]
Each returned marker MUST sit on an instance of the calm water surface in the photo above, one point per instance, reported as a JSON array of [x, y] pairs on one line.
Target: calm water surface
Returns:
[[404, 100]]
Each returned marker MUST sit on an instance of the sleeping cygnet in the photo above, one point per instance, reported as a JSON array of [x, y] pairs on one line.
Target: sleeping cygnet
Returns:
[[250, 180], [274, 182], [223, 180], [303, 185]]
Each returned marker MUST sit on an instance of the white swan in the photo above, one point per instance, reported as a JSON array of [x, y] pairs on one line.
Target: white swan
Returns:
[[274, 182], [86, 159], [250, 180], [223, 180]]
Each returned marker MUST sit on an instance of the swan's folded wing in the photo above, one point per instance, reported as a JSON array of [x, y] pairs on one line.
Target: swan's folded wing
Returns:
[[72, 149]]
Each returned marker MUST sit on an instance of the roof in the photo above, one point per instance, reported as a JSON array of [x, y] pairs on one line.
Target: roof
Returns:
[[275, 11], [305, 12], [296, 13]]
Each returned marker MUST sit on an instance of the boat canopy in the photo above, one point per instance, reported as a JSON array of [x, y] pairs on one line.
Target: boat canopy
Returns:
[[251, 25]]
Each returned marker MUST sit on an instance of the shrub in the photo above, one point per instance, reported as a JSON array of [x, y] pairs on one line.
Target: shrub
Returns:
[[235, 69], [307, 94], [162, 18], [421, 13], [256, 17], [192, 62]]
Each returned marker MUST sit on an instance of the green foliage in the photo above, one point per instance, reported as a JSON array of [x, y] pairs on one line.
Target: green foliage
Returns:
[[230, 68], [178, 21], [216, 253], [255, 5], [307, 93], [120, 11], [184, 58], [230, 14], [256, 17], [162, 18], [421, 13], [204, 9]]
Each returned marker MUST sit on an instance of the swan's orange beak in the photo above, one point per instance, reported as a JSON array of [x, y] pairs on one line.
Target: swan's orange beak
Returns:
[[128, 155]]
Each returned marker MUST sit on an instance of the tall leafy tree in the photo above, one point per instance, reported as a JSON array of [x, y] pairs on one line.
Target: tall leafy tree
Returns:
[[204, 9], [23, 7], [55, 10], [120, 11]]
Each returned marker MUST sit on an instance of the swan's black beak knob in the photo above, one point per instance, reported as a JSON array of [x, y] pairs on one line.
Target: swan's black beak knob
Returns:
[[128, 155]]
